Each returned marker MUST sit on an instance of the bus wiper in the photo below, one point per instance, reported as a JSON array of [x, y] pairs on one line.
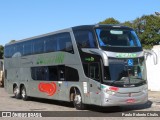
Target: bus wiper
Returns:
[[108, 45], [111, 82], [115, 81]]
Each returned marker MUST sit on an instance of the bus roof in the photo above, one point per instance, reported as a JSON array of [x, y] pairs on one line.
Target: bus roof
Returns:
[[69, 29], [101, 25]]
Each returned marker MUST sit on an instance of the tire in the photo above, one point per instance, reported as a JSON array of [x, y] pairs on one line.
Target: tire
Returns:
[[16, 92], [77, 101], [24, 93]]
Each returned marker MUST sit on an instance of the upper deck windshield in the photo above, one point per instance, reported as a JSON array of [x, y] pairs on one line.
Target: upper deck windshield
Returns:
[[117, 37]]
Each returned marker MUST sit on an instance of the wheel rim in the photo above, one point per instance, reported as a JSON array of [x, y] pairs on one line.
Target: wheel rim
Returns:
[[77, 99], [23, 93], [16, 91]]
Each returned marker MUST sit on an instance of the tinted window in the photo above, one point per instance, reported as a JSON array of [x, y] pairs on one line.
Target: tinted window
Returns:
[[38, 45], [27, 48], [6, 52], [117, 37], [48, 73], [50, 44], [61, 72], [94, 71], [20, 49], [85, 39], [106, 73], [54, 73], [85, 67], [71, 74], [12, 50], [64, 42], [121, 69], [40, 73]]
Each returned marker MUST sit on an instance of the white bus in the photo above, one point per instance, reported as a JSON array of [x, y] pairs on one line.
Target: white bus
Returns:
[[92, 64]]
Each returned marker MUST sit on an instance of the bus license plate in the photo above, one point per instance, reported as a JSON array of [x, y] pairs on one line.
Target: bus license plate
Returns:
[[130, 100]]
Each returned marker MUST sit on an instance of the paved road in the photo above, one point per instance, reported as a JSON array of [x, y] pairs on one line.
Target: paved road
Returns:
[[8, 103]]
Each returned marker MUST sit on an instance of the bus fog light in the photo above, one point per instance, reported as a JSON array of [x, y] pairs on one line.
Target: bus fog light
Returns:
[[110, 92], [145, 90], [113, 93]]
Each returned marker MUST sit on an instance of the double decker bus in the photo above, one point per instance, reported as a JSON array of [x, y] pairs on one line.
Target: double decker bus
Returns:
[[101, 65]]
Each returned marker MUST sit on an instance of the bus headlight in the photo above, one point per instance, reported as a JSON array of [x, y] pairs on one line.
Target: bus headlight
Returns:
[[112, 90]]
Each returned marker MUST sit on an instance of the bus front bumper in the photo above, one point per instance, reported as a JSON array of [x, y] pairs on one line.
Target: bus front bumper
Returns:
[[119, 99]]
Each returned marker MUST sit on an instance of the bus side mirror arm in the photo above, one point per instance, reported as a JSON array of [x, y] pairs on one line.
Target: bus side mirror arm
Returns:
[[155, 57]]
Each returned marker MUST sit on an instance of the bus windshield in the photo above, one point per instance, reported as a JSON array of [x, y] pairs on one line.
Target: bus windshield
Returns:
[[122, 72], [117, 37]]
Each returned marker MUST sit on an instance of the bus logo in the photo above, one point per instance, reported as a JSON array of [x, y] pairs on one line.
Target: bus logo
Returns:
[[49, 88], [90, 59], [126, 55]]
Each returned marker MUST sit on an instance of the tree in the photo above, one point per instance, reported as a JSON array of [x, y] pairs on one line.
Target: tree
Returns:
[[1, 51], [110, 21], [128, 23], [148, 29], [12, 41]]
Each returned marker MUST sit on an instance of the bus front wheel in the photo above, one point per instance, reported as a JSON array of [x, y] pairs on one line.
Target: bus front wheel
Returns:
[[77, 101]]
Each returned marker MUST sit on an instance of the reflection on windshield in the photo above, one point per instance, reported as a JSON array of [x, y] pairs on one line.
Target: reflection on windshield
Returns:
[[117, 37], [120, 70]]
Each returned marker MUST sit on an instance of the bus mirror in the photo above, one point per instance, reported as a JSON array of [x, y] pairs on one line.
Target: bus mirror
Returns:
[[153, 54], [155, 58]]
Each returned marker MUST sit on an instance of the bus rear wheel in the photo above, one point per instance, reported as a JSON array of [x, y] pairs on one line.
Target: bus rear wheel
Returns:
[[16, 92], [24, 93], [77, 101]]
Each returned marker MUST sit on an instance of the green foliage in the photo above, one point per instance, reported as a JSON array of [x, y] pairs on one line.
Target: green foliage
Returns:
[[110, 21], [1, 51], [151, 35], [12, 41], [148, 30], [128, 23]]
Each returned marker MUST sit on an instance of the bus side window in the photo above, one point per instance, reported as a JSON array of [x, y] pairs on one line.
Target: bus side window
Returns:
[[106, 73], [53, 73], [64, 42], [38, 45], [27, 48], [71, 74], [84, 39], [50, 44], [40, 73], [94, 71], [85, 68]]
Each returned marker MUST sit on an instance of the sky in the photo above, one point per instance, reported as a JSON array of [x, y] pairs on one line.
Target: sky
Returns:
[[21, 19]]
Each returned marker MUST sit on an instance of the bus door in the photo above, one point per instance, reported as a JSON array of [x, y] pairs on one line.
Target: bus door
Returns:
[[94, 83]]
